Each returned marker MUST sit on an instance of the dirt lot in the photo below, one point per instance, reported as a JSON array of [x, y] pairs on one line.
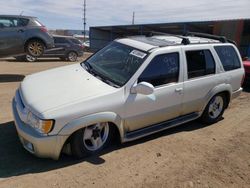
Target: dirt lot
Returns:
[[192, 155]]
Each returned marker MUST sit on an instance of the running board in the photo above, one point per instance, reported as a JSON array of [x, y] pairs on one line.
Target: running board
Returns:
[[133, 135]]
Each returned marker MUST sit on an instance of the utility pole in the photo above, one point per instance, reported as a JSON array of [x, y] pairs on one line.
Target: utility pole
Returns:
[[84, 20], [133, 19]]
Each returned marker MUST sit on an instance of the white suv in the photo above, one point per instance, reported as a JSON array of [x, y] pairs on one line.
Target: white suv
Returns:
[[133, 87]]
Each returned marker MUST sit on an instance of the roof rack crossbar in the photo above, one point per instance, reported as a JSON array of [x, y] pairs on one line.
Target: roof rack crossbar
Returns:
[[210, 36], [184, 41]]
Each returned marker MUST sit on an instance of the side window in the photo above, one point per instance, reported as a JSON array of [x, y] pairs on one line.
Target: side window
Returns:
[[228, 57], [6, 23], [60, 40], [200, 63], [163, 69]]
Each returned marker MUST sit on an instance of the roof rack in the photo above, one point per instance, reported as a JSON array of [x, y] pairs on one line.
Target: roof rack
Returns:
[[222, 39], [184, 41]]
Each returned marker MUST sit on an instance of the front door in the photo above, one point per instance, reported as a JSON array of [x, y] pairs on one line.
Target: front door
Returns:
[[165, 74]]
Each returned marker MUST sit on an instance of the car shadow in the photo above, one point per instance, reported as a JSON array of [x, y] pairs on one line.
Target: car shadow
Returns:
[[16, 161], [11, 78]]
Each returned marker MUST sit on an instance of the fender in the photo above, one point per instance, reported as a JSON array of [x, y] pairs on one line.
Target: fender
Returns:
[[85, 121], [218, 89]]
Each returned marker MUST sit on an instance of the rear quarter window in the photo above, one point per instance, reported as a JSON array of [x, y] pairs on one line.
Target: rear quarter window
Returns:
[[228, 57]]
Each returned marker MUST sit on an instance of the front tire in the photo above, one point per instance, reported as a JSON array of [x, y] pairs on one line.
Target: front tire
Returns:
[[214, 109], [91, 140], [30, 58]]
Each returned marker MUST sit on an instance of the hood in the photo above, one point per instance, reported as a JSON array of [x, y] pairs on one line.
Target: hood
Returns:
[[61, 86]]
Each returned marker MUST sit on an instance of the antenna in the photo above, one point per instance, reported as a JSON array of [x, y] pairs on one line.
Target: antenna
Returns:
[[21, 13], [133, 19], [84, 20]]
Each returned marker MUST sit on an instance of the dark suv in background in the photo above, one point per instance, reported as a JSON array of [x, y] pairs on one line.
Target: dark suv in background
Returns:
[[66, 48], [23, 35]]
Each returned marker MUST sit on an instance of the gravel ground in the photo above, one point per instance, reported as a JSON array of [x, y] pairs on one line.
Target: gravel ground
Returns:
[[191, 155]]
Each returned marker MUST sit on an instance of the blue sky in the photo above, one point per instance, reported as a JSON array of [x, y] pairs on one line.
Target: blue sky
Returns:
[[67, 14]]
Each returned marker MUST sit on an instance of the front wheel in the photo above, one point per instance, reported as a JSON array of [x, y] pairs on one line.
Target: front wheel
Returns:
[[30, 58], [91, 140], [214, 109]]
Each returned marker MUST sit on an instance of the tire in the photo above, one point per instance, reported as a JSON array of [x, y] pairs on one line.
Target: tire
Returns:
[[91, 140], [35, 48], [30, 58], [214, 109], [72, 56]]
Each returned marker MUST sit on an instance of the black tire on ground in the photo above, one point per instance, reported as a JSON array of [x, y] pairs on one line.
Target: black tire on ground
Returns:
[[78, 148], [35, 48], [72, 56], [209, 116]]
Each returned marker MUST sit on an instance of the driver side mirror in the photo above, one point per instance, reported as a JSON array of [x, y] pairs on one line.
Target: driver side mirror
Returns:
[[143, 88]]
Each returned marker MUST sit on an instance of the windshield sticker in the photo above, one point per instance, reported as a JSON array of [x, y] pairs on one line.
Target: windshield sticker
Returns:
[[138, 53]]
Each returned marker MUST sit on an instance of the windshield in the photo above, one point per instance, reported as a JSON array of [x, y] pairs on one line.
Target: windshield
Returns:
[[116, 63]]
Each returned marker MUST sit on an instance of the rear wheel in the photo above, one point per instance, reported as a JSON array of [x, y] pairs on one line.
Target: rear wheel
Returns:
[[35, 48], [214, 109], [72, 56], [91, 140]]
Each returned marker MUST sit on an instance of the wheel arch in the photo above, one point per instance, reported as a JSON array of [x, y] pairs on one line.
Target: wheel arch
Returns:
[[225, 89], [34, 38], [80, 123]]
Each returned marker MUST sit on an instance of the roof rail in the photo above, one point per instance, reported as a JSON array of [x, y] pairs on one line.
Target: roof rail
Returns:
[[184, 41], [222, 39]]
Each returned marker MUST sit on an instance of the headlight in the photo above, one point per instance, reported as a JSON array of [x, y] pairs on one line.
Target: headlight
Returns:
[[42, 126]]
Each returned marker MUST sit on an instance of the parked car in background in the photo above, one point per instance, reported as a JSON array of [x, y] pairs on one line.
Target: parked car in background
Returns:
[[246, 63], [66, 48], [23, 35], [86, 44], [131, 88]]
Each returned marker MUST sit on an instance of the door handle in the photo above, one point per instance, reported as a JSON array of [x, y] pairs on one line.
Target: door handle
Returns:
[[179, 90]]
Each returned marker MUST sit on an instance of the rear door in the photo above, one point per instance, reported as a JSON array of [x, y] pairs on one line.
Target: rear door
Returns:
[[61, 45], [11, 36], [200, 77]]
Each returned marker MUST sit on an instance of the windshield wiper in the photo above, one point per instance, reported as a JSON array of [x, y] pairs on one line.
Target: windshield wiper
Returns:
[[96, 74]]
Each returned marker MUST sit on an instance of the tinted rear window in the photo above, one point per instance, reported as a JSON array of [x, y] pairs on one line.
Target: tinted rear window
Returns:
[[60, 40], [228, 57], [76, 41], [200, 63]]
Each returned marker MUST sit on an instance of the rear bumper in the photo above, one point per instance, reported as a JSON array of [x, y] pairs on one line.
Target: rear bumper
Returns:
[[236, 93], [32, 141]]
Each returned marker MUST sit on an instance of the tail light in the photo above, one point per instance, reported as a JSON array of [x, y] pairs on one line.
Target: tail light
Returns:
[[81, 46], [44, 29]]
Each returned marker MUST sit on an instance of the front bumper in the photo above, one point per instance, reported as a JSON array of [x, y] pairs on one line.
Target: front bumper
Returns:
[[32, 141]]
